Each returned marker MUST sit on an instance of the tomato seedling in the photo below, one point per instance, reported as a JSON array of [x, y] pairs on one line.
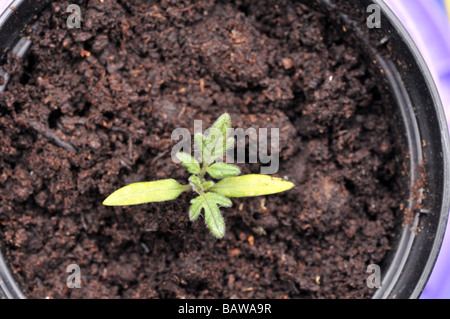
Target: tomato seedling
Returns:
[[210, 195]]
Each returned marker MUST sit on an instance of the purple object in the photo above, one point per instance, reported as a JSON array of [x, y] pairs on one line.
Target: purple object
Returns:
[[427, 23], [4, 4]]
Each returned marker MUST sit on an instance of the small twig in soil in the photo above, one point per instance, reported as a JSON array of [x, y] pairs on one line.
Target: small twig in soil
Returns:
[[125, 162], [130, 148], [145, 247], [183, 9], [83, 222], [182, 111], [157, 157], [51, 136]]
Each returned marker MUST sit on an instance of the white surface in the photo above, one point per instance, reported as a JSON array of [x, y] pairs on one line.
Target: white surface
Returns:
[[4, 4]]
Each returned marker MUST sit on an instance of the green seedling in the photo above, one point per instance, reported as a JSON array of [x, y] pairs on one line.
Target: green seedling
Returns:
[[210, 195]]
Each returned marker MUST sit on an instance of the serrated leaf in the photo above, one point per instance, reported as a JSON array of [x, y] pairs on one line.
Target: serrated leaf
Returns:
[[192, 165], [210, 203], [146, 192], [222, 170], [196, 207], [199, 140], [214, 220], [220, 149], [222, 124], [251, 185], [219, 199], [215, 143], [229, 144]]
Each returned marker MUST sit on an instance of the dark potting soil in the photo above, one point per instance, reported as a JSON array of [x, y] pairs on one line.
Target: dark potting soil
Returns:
[[92, 109]]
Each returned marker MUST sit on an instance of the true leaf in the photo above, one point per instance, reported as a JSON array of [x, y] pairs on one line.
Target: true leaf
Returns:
[[251, 185], [195, 181], [199, 140], [213, 216], [207, 185], [146, 192], [196, 207], [219, 148], [219, 199], [222, 124], [215, 143], [221, 170], [192, 165], [228, 144], [214, 219], [210, 203]]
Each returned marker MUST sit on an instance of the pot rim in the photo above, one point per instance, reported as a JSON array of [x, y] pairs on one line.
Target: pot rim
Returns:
[[397, 268]]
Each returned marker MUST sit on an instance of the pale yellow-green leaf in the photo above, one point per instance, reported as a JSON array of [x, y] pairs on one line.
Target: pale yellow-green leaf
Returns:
[[251, 185], [146, 192]]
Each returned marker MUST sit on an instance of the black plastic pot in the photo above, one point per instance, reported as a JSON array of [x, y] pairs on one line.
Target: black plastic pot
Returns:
[[402, 69]]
